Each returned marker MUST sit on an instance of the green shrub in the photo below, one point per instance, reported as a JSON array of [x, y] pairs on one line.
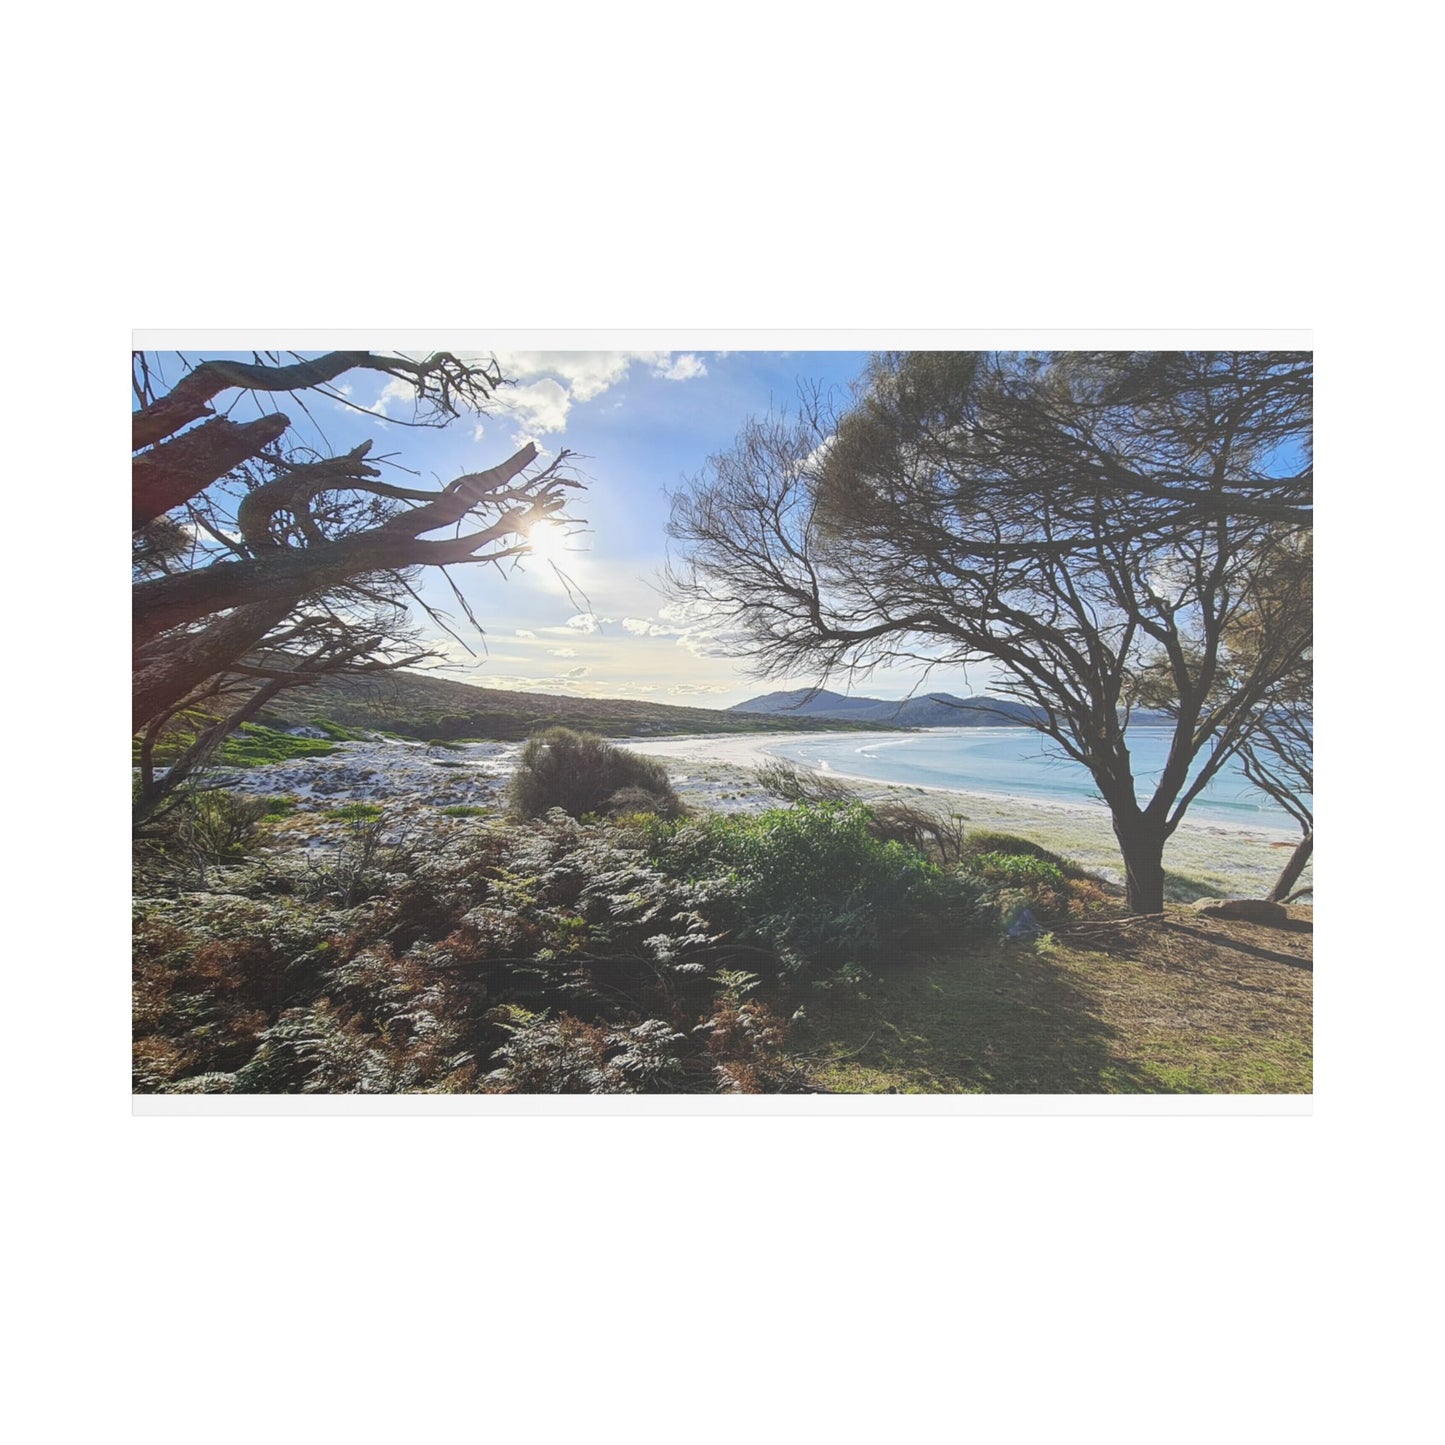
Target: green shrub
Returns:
[[935, 835], [463, 810], [252, 746], [336, 732], [815, 884], [983, 842], [1016, 870], [579, 773], [798, 785], [220, 826], [1046, 884], [356, 813]]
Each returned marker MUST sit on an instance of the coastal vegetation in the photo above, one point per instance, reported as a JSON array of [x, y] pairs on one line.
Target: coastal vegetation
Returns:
[[822, 945], [1123, 537], [1105, 530]]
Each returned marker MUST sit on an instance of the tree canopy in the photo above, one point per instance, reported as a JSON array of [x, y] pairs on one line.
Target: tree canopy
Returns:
[[1096, 526]]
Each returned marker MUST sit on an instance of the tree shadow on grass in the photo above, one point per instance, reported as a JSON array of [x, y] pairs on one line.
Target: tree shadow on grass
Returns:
[[1000, 1021], [1181, 888], [1238, 945]]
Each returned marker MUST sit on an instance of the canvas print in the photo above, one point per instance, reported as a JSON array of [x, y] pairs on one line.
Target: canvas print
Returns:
[[722, 722]]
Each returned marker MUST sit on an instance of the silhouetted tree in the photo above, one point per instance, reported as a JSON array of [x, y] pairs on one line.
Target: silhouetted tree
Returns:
[[1088, 523], [261, 564]]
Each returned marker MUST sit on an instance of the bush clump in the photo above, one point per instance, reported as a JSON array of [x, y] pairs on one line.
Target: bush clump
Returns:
[[253, 746], [815, 884], [1018, 874], [581, 774]]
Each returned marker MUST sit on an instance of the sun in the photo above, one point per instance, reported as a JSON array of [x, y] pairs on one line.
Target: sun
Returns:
[[548, 542]]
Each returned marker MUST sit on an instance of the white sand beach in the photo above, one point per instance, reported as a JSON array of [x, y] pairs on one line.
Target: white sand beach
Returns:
[[719, 772]]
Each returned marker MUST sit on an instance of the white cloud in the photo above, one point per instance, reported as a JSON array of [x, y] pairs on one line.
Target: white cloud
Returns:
[[680, 368], [698, 631], [714, 642], [548, 383], [561, 652], [541, 406], [527, 633], [587, 622], [586, 374], [682, 614], [640, 627], [522, 438], [699, 689], [577, 672], [395, 390]]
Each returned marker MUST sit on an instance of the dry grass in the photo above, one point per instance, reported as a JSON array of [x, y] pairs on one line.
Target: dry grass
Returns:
[[1185, 1005]]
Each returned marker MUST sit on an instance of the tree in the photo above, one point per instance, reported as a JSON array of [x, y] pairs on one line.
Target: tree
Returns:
[[1086, 522], [262, 564], [1278, 755]]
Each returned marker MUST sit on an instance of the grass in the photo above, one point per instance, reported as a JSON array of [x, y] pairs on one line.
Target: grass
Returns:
[[253, 746], [464, 810], [356, 813], [1172, 1008]]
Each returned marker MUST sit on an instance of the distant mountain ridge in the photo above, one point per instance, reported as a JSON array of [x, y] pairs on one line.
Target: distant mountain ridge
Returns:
[[418, 706], [928, 710], [933, 709]]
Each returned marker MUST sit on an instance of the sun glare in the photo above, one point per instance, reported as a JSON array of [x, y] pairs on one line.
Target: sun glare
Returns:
[[548, 542], [558, 554]]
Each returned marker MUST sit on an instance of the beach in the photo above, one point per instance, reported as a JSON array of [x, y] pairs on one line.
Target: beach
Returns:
[[720, 772], [415, 781]]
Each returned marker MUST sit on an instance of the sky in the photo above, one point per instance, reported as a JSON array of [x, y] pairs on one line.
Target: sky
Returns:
[[639, 424]]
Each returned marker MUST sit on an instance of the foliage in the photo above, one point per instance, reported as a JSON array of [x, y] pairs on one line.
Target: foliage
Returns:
[[802, 785], [221, 825], [926, 830], [1016, 870], [1016, 874], [201, 827], [255, 746], [366, 860], [1087, 521], [556, 954], [567, 1056], [746, 1041], [356, 812], [635, 956], [581, 774], [816, 885]]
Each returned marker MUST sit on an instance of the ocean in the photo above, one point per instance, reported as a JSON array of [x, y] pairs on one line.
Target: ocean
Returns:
[[1017, 762]]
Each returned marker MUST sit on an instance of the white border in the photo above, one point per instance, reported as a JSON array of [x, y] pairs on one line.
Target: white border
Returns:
[[709, 1105], [712, 338]]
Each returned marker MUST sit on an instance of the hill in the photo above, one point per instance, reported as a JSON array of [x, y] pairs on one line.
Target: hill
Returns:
[[414, 705], [930, 710]]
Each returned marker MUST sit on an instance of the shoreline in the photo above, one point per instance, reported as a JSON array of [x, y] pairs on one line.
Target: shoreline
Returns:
[[714, 770]]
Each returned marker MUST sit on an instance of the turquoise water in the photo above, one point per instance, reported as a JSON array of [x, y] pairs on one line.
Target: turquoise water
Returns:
[[1016, 762]]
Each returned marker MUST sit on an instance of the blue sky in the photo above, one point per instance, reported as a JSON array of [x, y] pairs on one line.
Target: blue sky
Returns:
[[640, 423]]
